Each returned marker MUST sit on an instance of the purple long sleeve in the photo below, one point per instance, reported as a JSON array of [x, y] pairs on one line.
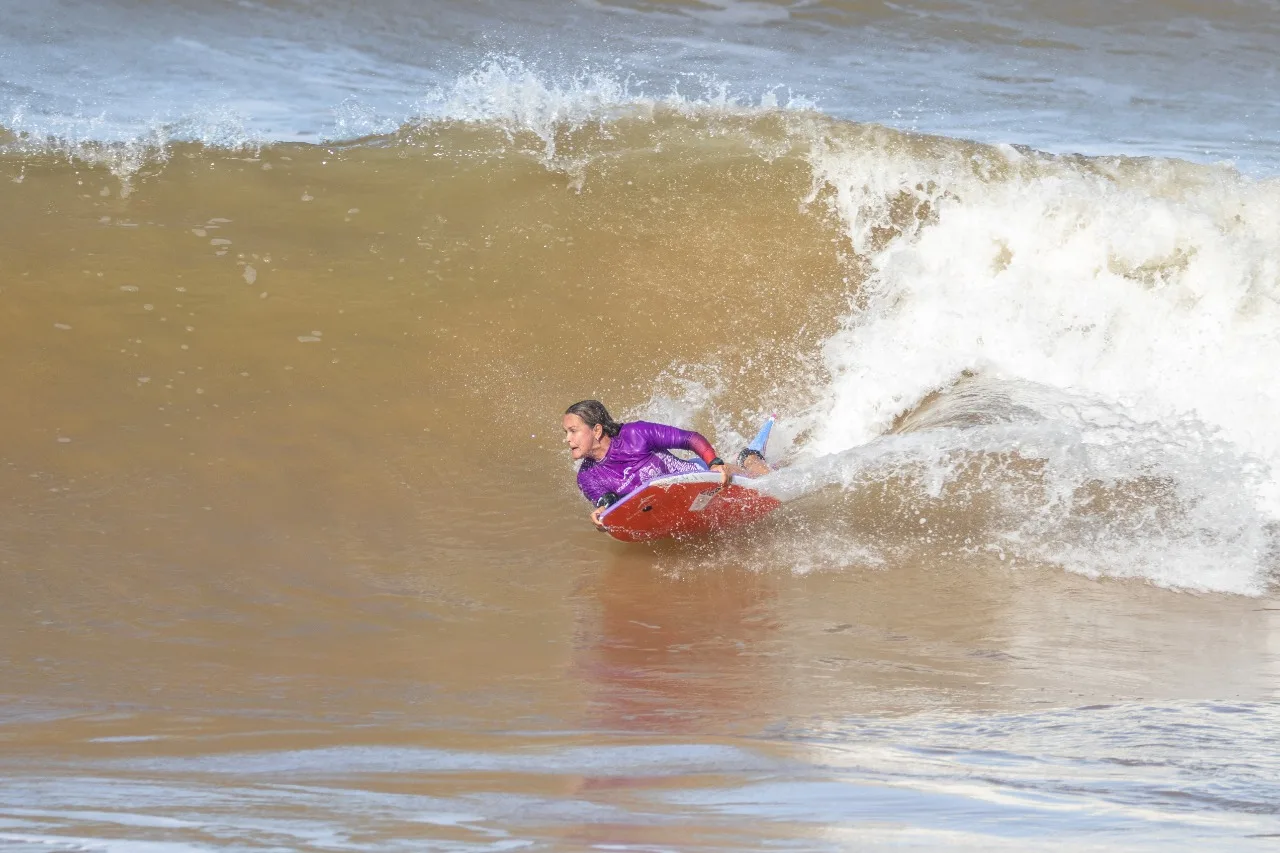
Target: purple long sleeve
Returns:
[[638, 454]]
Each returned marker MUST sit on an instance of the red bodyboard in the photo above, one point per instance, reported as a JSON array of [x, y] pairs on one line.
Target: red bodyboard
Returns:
[[685, 506]]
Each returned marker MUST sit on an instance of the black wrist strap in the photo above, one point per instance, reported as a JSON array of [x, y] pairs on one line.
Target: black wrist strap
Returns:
[[714, 462], [607, 499]]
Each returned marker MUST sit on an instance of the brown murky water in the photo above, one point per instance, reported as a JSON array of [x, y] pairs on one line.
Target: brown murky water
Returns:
[[291, 556]]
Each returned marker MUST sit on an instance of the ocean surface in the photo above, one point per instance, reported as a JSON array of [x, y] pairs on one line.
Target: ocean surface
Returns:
[[293, 294]]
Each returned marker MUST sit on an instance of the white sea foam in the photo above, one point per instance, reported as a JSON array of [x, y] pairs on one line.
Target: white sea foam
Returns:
[[1142, 296], [500, 92], [519, 98], [124, 151]]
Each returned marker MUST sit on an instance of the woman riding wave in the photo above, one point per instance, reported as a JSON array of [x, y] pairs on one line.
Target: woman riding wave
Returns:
[[619, 458]]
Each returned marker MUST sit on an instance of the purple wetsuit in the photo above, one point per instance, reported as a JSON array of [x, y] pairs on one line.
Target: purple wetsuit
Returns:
[[638, 454]]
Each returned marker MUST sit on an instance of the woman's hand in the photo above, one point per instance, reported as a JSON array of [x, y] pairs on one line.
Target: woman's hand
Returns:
[[724, 470], [595, 517]]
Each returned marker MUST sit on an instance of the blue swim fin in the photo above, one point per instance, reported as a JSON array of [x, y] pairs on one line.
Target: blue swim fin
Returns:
[[757, 445], [762, 437]]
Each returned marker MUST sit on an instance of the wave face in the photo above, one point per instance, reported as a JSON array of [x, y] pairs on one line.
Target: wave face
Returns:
[[1066, 357]]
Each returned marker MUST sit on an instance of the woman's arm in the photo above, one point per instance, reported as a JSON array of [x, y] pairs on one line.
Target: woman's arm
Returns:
[[597, 493], [664, 437]]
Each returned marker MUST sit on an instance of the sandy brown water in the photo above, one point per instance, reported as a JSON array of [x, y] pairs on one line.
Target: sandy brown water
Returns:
[[291, 555]]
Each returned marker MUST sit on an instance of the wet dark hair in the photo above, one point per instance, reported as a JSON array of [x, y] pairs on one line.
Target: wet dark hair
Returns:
[[593, 412]]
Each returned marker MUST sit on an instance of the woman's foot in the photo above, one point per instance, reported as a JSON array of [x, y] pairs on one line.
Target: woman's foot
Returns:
[[753, 462]]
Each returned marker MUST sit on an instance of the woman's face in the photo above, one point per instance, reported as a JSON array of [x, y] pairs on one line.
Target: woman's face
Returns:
[[583, 440]]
